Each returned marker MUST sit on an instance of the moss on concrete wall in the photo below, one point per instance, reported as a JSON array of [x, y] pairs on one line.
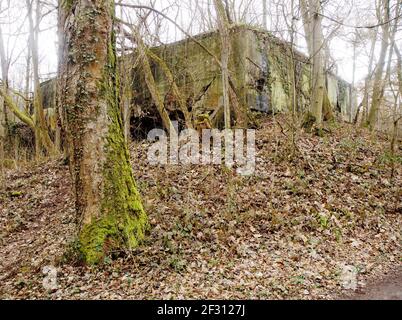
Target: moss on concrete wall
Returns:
[[259, 64]]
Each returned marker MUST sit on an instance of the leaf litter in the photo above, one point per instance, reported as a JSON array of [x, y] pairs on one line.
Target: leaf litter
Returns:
[[312, 225]]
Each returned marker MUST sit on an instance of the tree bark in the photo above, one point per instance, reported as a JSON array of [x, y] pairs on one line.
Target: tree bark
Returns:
[[2, 141], [378, 80], [307, 24], [318, 66], [312, 22], [108, 203], [125, 71], [392, 34], [41, 131], [353, 93], [3, 125], [399, 68], [223, 23], [28, 81], [264, 14], [365, 101]]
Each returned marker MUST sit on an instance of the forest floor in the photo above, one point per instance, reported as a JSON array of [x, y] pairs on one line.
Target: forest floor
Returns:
[[324, 223]]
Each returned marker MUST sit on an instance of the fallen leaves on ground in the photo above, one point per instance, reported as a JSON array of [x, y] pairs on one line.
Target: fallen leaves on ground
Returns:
[[288, 232]]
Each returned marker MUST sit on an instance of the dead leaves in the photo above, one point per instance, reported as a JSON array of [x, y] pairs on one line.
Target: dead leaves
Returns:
[[287, 232]]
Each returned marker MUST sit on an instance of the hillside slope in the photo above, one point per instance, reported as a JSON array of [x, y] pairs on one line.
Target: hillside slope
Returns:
[[304, 226]]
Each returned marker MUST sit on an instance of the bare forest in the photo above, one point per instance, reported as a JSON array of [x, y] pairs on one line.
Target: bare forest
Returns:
[[200, 149]]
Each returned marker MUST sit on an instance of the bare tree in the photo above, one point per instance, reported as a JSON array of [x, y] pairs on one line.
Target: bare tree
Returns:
[[4, 74], [42, 137], [367, 87], [150, 81], [312, 19], [383, 13], [399, 68], [224, 26], [264, 14]]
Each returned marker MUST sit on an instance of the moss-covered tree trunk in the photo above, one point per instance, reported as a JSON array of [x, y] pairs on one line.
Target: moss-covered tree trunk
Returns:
[[108, 204]]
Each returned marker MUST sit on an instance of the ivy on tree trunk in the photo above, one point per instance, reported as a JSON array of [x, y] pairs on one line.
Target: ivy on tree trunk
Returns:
[[108, 203]]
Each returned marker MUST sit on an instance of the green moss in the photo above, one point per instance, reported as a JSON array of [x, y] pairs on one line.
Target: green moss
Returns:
[[115, 231], [67, 4], [15, 194], [123, 221]]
